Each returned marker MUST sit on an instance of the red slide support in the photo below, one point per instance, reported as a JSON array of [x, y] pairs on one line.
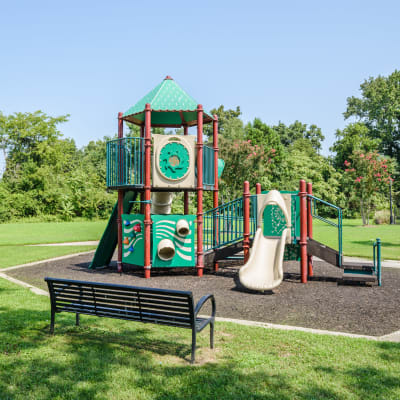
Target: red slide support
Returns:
[[120, 194], [309, 228], [246, 220], [147, 190], [200, 260], [303, 231]]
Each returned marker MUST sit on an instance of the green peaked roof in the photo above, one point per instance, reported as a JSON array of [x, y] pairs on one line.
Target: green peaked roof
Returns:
[[170, 106]]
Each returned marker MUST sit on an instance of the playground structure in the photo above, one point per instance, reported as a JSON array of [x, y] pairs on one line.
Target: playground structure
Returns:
[[149, 169]]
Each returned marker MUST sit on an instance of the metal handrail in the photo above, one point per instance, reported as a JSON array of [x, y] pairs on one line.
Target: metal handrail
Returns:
[[223, 225], [125, 162], [377, 260], [338, 225]]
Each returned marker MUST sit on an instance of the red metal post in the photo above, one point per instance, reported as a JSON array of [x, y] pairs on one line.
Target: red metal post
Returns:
[[216, 190], [258, 188], [246, 220], [200, 261], [309, 228], [141, 172], [120, 192], [185, 194], [303, 231], [147, 190]]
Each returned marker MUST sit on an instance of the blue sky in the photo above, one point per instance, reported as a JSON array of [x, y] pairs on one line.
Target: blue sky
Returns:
[[277, 60]]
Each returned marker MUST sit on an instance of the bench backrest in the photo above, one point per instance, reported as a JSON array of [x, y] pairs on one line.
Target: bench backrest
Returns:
[[159, 306]]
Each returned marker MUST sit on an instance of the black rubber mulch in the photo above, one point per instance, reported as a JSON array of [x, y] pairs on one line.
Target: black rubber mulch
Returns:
[[322, 303]]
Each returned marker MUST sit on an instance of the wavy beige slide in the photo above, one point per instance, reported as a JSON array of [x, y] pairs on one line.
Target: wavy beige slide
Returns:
[[264, 268]]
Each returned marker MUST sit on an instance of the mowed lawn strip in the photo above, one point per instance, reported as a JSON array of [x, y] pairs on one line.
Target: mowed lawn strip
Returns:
[[50, 232], [17, 255], [113, 359], [358, 239]]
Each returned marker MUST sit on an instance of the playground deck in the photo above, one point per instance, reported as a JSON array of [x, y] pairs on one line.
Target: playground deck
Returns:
[[321, 304]]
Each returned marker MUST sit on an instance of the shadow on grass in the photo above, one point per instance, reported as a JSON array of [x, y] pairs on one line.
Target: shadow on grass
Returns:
[[370, 243], [122, 360]]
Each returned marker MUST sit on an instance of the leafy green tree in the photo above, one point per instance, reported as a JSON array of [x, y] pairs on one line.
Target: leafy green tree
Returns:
[[302, 162], [244, 161], [289, 134], [365, 176], [379, 109], [229, 124], [354, 137]]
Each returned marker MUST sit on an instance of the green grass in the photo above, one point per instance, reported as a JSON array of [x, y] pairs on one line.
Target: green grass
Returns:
[[16, 255], [50, 232], [358, 239], [112, 359], [14, 236]]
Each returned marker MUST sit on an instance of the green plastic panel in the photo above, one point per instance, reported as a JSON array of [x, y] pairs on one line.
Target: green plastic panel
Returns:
[[174, 160], [164, 227], [133, 239], [292, 252], [274, 220]]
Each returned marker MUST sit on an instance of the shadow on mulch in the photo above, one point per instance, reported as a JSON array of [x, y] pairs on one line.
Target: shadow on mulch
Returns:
[[322, 303]]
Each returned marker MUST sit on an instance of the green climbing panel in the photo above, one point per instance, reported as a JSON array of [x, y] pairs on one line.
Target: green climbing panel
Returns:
[[174, 160], [164, 227], [274, 220], [133, 239]]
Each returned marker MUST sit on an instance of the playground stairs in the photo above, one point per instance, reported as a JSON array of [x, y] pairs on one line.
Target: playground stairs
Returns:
[[223, 253], [352, 271]]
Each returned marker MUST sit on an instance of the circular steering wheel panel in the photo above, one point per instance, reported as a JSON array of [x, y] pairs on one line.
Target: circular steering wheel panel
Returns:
[[174, 161]]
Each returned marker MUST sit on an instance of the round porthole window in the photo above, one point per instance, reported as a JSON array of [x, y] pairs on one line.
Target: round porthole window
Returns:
[[174, 161]]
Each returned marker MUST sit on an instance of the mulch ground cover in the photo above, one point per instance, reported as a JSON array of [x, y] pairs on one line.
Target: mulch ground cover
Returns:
[[322, 303]]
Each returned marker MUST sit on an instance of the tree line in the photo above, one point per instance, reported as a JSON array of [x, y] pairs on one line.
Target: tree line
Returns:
[[47, 176]]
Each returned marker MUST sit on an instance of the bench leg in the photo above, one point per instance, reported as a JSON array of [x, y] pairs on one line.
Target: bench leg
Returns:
[[193, 346], [211, 335], [77, 319], [53, 314]]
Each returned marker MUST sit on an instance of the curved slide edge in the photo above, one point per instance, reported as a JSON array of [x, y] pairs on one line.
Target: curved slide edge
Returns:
[[264, 269]]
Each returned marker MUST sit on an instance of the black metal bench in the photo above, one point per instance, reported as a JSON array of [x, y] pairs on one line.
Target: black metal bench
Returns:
[[157, 306]]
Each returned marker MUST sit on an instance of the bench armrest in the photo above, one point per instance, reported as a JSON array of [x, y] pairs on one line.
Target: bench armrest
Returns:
[[201, 303]]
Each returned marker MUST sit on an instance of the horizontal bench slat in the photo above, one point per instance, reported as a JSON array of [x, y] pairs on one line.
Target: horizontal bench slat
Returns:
[[78, 290], [118, 299], [107, 286]]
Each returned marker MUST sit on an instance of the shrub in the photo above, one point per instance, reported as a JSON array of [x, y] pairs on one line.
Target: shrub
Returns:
[[382, 217]]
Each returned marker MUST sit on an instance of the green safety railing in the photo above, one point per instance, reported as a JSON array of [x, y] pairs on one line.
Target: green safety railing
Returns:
[[377, 260], [125, 162], [208, 167], [338, 225], [223, 225]]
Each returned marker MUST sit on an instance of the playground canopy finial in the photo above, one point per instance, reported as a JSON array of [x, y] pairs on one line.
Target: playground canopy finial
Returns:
[[170, 105]]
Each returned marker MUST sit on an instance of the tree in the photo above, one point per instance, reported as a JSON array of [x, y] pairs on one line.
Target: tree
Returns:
[[302, 162], [379, 109], [297, 130], [365, 176], [229, 124], [354, 137], [244, 161]]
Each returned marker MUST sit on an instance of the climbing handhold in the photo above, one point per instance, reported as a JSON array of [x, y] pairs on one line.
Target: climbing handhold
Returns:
[[131, 249], [127, 223], [137, 228], [126, 241]]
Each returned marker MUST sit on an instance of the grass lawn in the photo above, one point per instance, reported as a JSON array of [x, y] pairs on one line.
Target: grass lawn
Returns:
[[16, 255], [358, 239], [14, 236], [50, 232], [112, 359]]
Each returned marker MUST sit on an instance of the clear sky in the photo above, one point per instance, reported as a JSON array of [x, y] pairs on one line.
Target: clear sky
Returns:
[[277, 60]]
